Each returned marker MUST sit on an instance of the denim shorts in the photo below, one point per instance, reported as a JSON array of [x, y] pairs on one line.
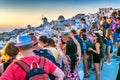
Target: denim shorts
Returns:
[[109, 45], [116, 37], [108, 42]]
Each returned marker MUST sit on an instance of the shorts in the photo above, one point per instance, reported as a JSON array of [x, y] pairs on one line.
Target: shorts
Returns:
[[97, 58], [109, 46], [108, 42], [116, 37]]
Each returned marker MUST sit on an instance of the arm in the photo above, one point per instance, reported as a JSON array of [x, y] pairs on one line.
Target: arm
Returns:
[[60, 52], [54, 70], [97, 46], [1, 68], [111, 38], [78, 46], [58, 74]]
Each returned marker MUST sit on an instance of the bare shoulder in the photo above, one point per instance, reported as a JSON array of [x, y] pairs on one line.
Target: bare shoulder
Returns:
[[97, 44]]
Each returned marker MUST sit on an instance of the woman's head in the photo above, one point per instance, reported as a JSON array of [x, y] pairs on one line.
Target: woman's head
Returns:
[[71, 47], [98, 38], [9, 50], [51, 42]]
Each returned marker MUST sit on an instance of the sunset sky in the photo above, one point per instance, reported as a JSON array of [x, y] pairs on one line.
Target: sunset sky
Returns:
[[19, 13]]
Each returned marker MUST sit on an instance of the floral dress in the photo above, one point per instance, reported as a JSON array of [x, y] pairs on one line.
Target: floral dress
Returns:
[[71, 75]]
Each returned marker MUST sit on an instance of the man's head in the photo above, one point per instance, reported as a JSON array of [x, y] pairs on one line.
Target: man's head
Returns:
[[82, 20], [82, 31], [24, 42]]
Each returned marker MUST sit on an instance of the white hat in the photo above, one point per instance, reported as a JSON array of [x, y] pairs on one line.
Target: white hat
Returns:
[[100, 32]]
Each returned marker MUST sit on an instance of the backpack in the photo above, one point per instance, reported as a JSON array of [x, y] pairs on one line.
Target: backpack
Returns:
[[34, 71], [118, 28], [45, 53]]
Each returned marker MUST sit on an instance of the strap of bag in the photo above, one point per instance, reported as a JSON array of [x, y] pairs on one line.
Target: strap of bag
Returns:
[[24, 66], [42, 62]]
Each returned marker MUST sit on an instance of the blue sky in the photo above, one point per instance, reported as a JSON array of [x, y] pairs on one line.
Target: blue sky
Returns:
[[19, 13]]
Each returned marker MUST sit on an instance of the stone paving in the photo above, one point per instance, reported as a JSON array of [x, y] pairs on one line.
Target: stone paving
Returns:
[[109, 72]]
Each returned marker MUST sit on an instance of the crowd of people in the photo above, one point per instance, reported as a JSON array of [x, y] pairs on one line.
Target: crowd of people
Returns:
[[61, 54]]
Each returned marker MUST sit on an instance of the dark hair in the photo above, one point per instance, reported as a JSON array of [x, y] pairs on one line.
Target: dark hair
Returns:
[[44, 39], [99, 40], [62, 41], [71, 50], [84, 36], [118, 17], [73, 31], [51, 42], [34, 38], [31, 34], [82, 19], [83, 30], [118, 12], [104, 17], [114, 14]]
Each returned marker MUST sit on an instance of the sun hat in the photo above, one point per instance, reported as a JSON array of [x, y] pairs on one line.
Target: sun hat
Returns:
[[99, 32], [23, 39]]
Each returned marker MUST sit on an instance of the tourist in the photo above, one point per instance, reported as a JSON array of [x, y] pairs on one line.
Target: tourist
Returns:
[[9, 53], [96, 54], [15, 72], [71, 58], [109, 45]]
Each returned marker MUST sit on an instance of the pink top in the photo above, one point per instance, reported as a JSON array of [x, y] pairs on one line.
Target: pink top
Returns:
[[14, 72]]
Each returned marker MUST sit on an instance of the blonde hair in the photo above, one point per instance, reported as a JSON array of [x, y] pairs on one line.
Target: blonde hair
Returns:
[[9, 50], [108, 33]]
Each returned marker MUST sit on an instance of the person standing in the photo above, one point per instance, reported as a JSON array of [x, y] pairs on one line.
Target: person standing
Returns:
[[96, 54], [71, 58], [15, 72]]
